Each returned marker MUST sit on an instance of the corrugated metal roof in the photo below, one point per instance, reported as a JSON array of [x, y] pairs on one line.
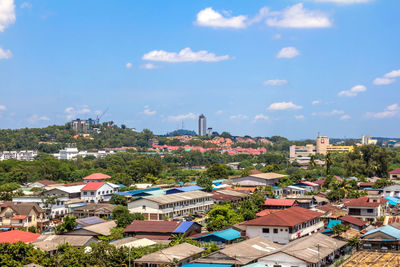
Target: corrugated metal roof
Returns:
[[227, 234], [184, 189], [183, 227], [387, 229]]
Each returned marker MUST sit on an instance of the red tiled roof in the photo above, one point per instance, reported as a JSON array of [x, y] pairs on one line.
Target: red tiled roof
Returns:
[[289, 217], [18, 217], [5, 204], [279, 202], [219, 196], [309, 183], [367, 184], [254, 171], [154, 237], [242, 188], [152, 226], [92, 186], [330, 208], [97, 176], [353, 220], [17, 235], [46, 182], [320, 182], [266, 212], [361, 202], [396, 171]]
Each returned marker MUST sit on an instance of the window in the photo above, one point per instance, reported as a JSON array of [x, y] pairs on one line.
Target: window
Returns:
[[144, 207], [370, 210], [275, 231], [92, 193], [265, 230], [85, 193]]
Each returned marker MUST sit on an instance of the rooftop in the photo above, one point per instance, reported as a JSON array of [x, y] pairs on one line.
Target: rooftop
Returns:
[[14, 236], [152, 226], [279, 202], [96, 176], [185, 196], [353, 220], [171, 254], [92, 186]]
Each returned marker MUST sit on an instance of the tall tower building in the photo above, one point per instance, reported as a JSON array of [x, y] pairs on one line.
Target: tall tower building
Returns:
[[322, 144], [202, 125]]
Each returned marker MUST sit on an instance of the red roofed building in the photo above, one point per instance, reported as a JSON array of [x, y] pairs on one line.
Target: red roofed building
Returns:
[[367, 208], [43, 183], [96, 177], [395, 174], [16, 235], [265, 212], [354, 222], [95, 192], [285, 225], [279, 203]]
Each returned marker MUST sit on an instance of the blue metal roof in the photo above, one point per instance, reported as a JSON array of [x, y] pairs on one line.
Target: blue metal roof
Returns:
[[206, 265], [183, 227], [185, 189], [387, 229], [91, 220], [331, 224], [393, 200], [227, 234]]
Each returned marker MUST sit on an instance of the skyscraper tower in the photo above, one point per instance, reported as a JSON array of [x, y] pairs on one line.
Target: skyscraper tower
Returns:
[[202, 125]]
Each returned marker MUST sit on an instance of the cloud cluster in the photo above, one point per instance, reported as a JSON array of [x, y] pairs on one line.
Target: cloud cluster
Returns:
[[73, 112], [148, 66], [5, 54], [260, 117], [299, 117], [288, 52], [185, 55], [295, 16], [7, 13], [283, 106], [344, 1], [315, 102], [148, 111], [239, 117], [329, 113], [208, 17], [388, 78], [128, 65], [3, 108], [36, 118], [390, 111], [189, 116], [354, 91], [275, 82]]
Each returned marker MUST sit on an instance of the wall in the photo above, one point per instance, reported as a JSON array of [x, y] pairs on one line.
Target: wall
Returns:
[[282, 259]]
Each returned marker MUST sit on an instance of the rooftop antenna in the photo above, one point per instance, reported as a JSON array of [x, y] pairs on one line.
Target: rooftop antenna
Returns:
[[101, 115]]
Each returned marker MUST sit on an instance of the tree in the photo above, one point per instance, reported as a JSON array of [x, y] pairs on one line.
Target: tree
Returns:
[[222, 216], [217, 171], [66, 226], [340, 228], [122, 216], [205, 182], [258, 200], [382, 183], [118, 200]]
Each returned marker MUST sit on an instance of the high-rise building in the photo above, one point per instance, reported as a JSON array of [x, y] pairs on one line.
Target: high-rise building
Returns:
[[209, 132], [322, 144], [202, 125], [367, 140]]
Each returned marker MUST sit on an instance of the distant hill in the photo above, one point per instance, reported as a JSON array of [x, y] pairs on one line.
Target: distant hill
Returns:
[[181, 132]]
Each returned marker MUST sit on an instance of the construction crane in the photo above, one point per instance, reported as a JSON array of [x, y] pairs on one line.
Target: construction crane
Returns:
[[101, 115]]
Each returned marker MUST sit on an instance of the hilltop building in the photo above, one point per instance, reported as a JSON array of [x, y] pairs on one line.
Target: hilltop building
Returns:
[[367, 140], [202, 125]]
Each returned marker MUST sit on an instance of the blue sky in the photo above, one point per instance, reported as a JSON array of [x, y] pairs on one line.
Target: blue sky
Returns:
[[262, 68]]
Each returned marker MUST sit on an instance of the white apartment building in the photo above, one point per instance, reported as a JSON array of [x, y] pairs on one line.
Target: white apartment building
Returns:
[[172, 206], [27, 155], [52, 210], [366, 208], [285, 225], [96, 192], [392, 191], [73, 152]]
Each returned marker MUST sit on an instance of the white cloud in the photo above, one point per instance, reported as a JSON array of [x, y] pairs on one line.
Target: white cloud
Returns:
[[344, 1], [329, 113], [260, 117], [316, 102], [189, 116], [393, 74], [36, 118], [219, 112], [299, 117], [5, 54], [275, 82], [283, 106], [239, 117], [208, 17], [288, 52], [7, 13], [148, 66], [277, 36], [388, 78], [72, 112], [26, 5], [390, 111], [345, 117], [185, 55], [3, 108], [148, 111], [353, 91], [128, 65], [298, 17], [383, 81]]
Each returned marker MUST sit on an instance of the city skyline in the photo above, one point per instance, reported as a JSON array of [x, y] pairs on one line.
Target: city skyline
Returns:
[[283, 68]]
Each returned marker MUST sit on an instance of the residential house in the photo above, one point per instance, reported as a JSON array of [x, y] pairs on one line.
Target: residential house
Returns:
[[331, 212], [96, 230], [240, 254], [354, 222], [96, 177], [385, 237], [293, 191], [365, 185], [132, 242], [23, 215], [172, 206], [309, 202], [229, 196], [66, 191], [94, 209], [15, 236], [260, 179], [50, 243], [223, 237], [176, 255], [367, 208], [183, 189], [161, 230], [392, 191], [308, 186], [53, 208], [83, 222], [285, 225], [44, 183], [395, 174], [95, 192], [310, 251], [279, 203]]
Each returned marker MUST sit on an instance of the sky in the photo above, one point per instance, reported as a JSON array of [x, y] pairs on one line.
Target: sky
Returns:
[[260, 68]]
